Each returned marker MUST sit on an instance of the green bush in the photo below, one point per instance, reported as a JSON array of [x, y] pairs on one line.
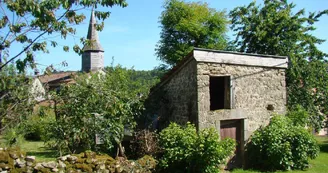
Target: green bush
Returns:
[[13, 137], [35, 126], [281, 146], [185, 150], [299, 116]]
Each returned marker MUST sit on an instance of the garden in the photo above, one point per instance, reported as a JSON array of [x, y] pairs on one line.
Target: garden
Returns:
[[63, 136], [100, 122]]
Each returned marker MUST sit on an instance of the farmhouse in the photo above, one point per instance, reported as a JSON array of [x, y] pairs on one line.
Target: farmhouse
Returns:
[[235, 93]]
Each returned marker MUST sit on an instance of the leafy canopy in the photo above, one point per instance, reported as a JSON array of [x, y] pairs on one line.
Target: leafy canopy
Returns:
[[30, 23], [189, 24], [104, 104], [275, 30], [15, 97]]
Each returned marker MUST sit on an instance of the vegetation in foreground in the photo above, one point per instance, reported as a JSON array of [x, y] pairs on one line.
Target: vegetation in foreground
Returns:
[[317, 165], [282, 145], [186, 150], [306, 82]]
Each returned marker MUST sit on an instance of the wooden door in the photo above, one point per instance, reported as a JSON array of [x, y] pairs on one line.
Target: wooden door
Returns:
[[232, 129]]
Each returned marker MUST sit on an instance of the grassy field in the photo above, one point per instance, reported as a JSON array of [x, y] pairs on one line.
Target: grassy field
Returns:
[[37, 149], [319, 165]]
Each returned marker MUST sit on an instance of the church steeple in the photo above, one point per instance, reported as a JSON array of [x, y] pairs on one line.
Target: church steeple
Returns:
[[93, 54]]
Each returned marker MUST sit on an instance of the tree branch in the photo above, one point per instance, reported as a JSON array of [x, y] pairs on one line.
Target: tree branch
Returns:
[[27, 47]]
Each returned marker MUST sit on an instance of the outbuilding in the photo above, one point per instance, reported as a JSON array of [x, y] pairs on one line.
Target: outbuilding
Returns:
[[235, 93]]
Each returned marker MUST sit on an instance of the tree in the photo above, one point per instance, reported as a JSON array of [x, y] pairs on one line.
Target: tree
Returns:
[[30, 24], [104, 104], [274, 29], [15, 97], [187, 25]]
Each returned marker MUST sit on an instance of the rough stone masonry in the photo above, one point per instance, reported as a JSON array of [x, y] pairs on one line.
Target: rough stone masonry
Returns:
[[253, 89]]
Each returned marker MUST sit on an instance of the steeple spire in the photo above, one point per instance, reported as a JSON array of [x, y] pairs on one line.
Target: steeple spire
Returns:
[[93, 54], [93, 35]]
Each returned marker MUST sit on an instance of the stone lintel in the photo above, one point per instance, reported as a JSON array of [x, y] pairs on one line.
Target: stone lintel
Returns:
[[229, 114]]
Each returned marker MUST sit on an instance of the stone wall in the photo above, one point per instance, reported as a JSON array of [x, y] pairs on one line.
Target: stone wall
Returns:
[[15, 161], [178, 96], [253, 90]]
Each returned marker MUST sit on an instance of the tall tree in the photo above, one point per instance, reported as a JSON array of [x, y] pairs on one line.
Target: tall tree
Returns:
[[16, 101], [30, 23], [186, 25], [276, 30]]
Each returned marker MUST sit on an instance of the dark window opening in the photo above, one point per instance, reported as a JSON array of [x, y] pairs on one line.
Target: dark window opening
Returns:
[[219, 92]]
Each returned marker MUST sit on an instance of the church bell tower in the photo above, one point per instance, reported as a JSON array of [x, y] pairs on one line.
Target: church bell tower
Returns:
[[93, 54]]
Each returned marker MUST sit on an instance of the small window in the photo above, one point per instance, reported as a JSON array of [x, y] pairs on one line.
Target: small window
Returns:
[[220, 92]]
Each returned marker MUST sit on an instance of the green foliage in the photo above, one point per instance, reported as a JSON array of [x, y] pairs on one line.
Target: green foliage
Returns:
[[179, 146], [281, 146], [34, 127], [189, 24], [212, 152], [185, 150], [15, 97], [27, 23], [275, 29], [102, 103], [299, 116], [89, 161], [141, 80], [307, 86], [13, 137]]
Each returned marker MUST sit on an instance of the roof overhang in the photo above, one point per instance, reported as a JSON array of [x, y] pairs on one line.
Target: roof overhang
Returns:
[[224, 57]]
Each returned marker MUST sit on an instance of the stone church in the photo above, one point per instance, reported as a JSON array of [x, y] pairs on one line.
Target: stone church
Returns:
[[235, 93], [92, 61]]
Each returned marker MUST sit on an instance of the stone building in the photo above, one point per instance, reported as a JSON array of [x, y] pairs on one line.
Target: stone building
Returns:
[[235, 93]]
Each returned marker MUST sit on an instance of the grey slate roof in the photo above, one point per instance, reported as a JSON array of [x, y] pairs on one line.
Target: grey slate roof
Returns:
[[93, 36]]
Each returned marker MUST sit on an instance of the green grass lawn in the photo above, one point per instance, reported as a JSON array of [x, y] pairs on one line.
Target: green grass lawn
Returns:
[[37, 149], [319, 165]]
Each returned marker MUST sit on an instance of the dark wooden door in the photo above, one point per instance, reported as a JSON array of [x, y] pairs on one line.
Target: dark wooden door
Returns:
[[232, 129]]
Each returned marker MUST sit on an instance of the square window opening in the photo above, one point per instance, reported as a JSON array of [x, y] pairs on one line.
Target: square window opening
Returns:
[[220, 92]]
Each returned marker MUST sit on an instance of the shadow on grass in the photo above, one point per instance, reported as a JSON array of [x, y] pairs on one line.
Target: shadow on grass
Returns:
[[43, 154], [324, 146]]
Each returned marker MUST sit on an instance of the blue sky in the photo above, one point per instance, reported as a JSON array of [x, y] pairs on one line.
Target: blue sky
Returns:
[[131, 33]]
